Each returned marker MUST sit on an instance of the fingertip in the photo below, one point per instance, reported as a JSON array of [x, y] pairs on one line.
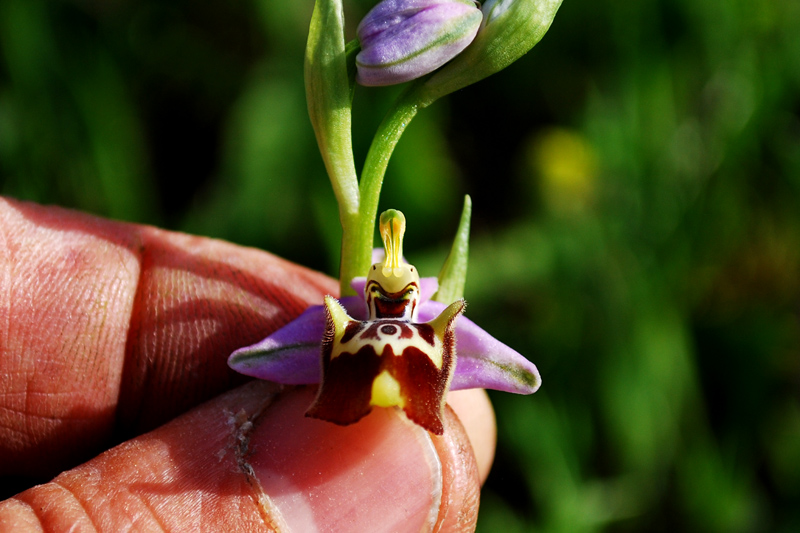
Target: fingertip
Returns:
[[250, 458], [380, 474], [383, 473], [474, 410]]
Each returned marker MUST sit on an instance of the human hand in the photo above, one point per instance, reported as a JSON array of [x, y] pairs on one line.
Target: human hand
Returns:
[[109, 330]]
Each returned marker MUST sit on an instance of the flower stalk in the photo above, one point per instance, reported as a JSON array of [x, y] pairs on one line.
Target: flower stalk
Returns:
[[395, 339], [508, 29]]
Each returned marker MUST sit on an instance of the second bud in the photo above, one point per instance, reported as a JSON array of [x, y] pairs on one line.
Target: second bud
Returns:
[[404, 39]]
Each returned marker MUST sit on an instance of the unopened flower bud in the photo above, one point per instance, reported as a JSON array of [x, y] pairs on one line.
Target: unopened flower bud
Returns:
[[404, 39], [510, 28]]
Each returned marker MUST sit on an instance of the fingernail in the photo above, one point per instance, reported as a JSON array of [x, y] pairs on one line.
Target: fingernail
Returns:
[[380, 474]]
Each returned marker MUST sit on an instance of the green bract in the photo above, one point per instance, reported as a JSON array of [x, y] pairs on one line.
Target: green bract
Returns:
[[328, 92], [510, 28]]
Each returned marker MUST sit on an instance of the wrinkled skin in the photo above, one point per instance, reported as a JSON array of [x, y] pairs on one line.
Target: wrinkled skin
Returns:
[[116, 334]]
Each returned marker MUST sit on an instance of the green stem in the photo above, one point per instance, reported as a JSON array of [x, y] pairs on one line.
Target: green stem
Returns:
[[383, 144], [358, 231], [351, 264], [360, 238]]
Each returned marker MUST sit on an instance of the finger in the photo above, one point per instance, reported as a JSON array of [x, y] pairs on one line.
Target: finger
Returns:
[[475, 412], [250, 461], [110, 329]]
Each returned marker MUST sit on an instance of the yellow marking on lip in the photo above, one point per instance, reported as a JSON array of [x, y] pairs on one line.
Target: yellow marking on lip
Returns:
[[386, 391]]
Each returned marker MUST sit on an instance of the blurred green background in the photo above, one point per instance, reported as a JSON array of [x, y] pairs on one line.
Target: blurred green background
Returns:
[[636, 227]]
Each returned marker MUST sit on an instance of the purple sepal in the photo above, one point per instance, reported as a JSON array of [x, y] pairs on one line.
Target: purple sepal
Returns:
[[483, 361], [291, 355]]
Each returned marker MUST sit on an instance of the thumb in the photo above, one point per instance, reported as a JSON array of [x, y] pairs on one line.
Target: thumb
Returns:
[[250, 461]]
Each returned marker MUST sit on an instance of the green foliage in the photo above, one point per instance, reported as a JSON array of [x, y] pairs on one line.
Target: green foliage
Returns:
[[453, 275], [635, 229]]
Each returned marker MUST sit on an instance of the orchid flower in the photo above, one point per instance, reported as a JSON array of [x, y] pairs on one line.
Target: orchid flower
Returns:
[[395, 339], [292, 354]]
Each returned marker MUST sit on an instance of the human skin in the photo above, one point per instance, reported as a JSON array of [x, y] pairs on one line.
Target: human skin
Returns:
[[113, 378]]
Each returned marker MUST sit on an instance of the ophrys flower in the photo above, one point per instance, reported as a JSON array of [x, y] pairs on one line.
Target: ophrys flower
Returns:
[[391, 346]]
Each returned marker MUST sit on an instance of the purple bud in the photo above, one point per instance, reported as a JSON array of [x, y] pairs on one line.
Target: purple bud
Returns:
[[404, 39]]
